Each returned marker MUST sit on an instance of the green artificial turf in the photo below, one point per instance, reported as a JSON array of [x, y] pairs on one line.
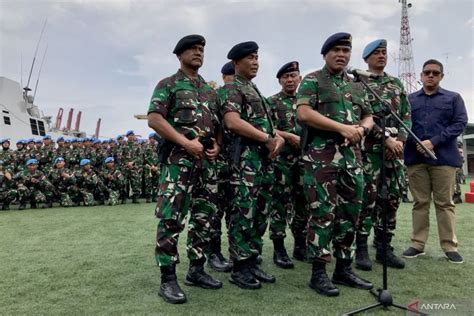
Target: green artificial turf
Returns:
[[100, 260]]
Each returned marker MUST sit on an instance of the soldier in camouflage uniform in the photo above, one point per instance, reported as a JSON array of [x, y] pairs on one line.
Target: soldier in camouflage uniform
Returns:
[[255, 144], [151, 168], [46, 154], [63, 180], [289, 204], [391, 90], [183, 112], [335, 111], [7, 192], [457, 196], [6, 154], [33, 186], [86, 185], [113, 180], [216, 259], [131, 165]]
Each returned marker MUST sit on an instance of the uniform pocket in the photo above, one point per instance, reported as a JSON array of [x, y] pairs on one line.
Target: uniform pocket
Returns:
[[186, 104]]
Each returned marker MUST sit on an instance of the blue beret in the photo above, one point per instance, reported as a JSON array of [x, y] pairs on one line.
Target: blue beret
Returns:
[[228, 69], [119, 137], [30, 140], [46, 137], [344, 39], [152, 134], [130, 132], [109, 159], [20, 141], [58, 160], [68, 141], [4, 140], [372, 46], [38, 141], [242, 50], [60, 139], [84, 162], [32, 162], [96, 141], [288, 67], [188, 42]]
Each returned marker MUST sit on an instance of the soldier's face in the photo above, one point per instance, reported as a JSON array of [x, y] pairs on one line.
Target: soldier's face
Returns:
[[378, 59], [227, 78], [110, 165], [60, 164], [431, 76], [290, 81], [47, 141], [86, 167], [247, 66], [6, 145], [131, 138], [19, 146], [192, 57], [32, 168], [337, 58], [152, 140]]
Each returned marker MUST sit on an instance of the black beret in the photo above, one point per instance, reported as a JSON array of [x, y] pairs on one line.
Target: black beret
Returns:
[[341, 38], [228, 69], [242, 50], [188, 42], [288, 67]]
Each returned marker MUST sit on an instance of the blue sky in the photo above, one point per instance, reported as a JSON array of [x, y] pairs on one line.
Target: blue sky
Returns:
[[105, 57]]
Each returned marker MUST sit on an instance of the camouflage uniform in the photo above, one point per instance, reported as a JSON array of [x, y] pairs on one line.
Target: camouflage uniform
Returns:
[[85, 187], [390, 89], [189, 105], [63, 186], [333, 177], [252, 177], [131, 152], [33, 187], [46, 157], [114, 182], [7, 191], [288, 195], [151, 171]]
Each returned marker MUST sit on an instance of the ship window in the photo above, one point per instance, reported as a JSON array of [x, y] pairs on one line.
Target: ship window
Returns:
[[6, 120], [34, 127], [41, 128]]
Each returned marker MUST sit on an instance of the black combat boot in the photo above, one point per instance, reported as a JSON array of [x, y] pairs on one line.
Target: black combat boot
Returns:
[[196, 276], [135, 199], [259, 259], [320, 281], [258, 273], [362, 259], [169, 289], [5, 206], [33, 205], [392, 260], [216, 260], [299, 250], [242, 277], [345, 276], [148, 199], [49, 203], [280, 256], [22, 206]]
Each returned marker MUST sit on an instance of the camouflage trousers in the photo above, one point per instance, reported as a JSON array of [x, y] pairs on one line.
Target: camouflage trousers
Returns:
[[334, 196], [7, 196], [150, 182], [133, 183], [113, 197], [80, 194], [251, 185], [372, 204], [288, 204], [223, 197], [174, 203], [37, 194], [459, 180], [65, 199]]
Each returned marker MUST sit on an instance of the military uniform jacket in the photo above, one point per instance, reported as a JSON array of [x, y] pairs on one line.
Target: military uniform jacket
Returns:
[[190, 106], [283, 111], [340, 99], [390, 89], [58, 181]]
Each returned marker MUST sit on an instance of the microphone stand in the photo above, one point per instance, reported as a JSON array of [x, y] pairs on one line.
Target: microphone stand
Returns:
[[383, 295]]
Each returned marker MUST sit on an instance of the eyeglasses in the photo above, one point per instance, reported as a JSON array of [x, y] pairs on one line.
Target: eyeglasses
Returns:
[[429, 72]]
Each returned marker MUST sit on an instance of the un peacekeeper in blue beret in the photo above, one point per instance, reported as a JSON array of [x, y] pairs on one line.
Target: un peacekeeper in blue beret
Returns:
[[372, 46], [188, 42], [336, 112], [129, 133]]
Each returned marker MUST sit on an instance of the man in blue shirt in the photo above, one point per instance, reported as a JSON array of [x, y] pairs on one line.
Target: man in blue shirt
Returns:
[[439, 117]]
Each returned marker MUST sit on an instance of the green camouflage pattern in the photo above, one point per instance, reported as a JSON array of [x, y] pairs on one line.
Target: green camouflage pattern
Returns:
[[62, 180], [189, 106], [251, 180], [333, 177], [33, 186]]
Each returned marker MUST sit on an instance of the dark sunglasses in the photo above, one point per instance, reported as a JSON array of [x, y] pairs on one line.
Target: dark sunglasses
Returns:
[[429, 72]]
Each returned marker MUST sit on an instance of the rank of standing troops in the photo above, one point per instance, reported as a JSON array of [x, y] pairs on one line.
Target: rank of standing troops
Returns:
[[308, 157], [84, 171]]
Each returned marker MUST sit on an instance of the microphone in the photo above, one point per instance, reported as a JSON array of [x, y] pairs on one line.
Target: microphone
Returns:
[[358, 72]]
